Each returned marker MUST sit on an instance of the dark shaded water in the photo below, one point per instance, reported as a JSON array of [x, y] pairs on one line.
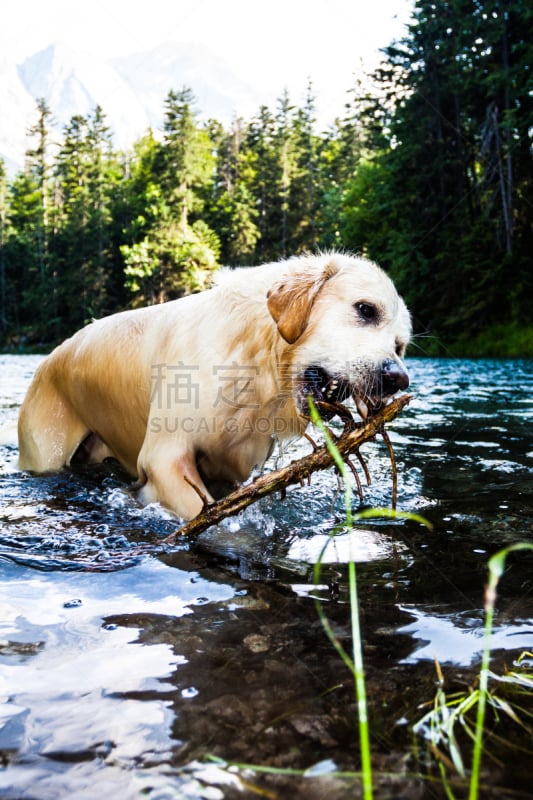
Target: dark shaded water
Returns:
[[124, 662]]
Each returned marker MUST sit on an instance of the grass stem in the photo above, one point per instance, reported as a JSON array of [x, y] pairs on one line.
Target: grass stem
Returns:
[[356, 662], [496, 568]]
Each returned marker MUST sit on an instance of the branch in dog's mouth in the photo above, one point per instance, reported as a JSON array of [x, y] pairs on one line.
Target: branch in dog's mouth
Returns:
[[300, 471], [369, 406]]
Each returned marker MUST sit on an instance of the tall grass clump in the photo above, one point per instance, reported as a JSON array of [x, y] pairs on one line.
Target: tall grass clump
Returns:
[[438, 725]]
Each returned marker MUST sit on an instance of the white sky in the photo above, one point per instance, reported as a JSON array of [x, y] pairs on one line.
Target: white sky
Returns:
[[271, 44]]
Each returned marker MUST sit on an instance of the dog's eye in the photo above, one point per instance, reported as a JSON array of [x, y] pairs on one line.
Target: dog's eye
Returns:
[[366, 311]]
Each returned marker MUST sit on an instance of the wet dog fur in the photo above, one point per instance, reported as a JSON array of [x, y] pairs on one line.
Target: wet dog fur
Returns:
[[198, 388]]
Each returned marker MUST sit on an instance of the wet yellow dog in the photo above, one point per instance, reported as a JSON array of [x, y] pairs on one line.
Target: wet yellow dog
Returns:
[[197, 389]]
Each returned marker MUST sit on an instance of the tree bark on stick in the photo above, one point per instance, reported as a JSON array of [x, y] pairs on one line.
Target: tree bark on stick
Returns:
[[299, 471]]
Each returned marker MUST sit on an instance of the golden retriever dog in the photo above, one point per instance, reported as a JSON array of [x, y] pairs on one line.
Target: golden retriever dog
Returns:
[[197, 389]]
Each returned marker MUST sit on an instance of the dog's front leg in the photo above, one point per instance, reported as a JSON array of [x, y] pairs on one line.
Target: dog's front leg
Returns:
[[172, 479]]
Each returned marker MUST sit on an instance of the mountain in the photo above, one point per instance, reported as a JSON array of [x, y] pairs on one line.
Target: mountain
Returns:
[[16, 106], [220, 93], [131, 91], [74, 83]]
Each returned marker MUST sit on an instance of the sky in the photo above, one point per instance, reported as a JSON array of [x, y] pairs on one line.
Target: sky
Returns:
[[272, 45]]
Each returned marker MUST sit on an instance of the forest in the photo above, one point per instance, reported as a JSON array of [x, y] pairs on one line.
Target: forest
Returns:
[[429, 172]]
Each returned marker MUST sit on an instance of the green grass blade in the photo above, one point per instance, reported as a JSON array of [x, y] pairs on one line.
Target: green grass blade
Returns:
[[496, 568], [356, 663]]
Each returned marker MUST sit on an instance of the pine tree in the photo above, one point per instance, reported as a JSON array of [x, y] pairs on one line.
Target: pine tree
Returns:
[[187, 155], [30, 296], [306, 187], [260, 144], [338, 156], [37, 162], [179, 250], [446, 190], [87, 173], [4, 313], [233, 210]]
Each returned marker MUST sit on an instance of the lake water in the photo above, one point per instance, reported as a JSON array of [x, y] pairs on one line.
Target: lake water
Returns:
[[125, 662]]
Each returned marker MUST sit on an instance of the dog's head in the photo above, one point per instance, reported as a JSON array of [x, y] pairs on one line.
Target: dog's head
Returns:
[[347, 328]]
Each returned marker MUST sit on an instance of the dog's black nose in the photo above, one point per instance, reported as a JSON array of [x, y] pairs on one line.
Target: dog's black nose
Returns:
[[393, 377]]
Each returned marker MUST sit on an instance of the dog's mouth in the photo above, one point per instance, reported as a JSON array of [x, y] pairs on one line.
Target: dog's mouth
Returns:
[[328, 390], [322, 387]]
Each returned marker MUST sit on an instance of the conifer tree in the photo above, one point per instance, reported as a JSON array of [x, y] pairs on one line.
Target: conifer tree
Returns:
[[4, 318], [37, 162], [447, 190], [234, 210], [177, 254]]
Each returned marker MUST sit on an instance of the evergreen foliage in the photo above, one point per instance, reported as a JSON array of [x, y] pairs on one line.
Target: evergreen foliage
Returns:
[[429, 173]]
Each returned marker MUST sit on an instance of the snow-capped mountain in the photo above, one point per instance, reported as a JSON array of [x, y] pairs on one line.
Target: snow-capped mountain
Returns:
[[16, 108], [131, 91], [74, 83], [219, 92]]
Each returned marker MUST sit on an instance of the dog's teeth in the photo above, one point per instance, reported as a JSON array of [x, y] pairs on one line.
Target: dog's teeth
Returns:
[[331, 388], [361, 407]]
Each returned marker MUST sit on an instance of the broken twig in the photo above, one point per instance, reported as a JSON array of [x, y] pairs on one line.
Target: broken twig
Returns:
[[349, 442]]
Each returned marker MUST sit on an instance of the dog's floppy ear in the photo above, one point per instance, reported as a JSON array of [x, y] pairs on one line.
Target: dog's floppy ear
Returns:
[[290, 301]]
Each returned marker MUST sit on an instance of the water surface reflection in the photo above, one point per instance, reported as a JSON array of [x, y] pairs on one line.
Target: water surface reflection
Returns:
[[125, 661]]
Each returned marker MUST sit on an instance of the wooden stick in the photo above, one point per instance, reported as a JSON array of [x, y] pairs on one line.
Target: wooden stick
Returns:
[[388, 442], [349, 441]]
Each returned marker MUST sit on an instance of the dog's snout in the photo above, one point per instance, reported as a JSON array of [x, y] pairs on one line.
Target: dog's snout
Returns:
[[394, 378]]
